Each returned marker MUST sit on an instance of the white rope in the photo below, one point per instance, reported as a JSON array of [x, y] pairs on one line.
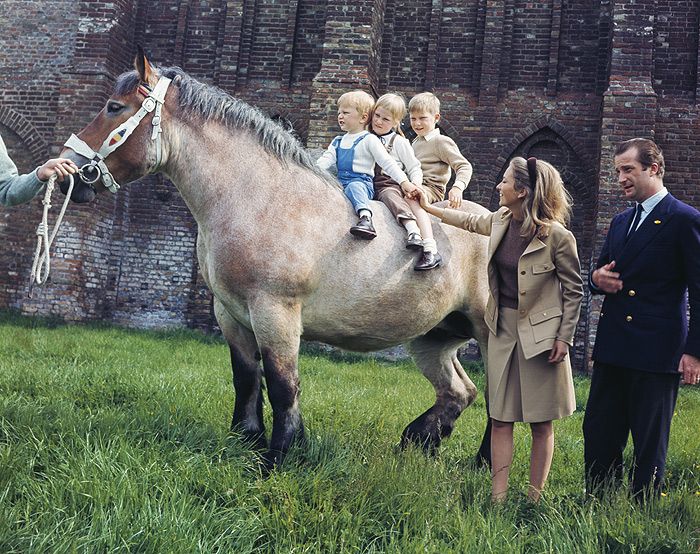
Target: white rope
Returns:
[[42, 261]]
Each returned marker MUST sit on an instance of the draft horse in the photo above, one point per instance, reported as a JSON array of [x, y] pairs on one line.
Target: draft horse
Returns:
[[273, 246]]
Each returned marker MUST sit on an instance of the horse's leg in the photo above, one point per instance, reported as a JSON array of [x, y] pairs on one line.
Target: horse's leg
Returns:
[[277, 328], [247, 378], [436, 356]]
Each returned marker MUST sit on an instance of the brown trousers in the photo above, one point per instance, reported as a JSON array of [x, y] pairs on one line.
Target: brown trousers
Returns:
[[389, 192]]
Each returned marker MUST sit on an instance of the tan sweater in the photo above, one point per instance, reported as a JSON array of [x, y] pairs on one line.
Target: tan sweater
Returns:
[[438, 154]]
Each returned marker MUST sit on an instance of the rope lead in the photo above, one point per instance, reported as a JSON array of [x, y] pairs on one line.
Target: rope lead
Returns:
[[41, 267]]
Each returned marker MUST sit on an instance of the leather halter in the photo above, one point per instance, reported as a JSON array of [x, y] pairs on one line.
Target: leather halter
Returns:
[[153, 101]]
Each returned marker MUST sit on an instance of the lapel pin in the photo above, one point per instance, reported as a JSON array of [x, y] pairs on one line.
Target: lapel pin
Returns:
[[657, 222]]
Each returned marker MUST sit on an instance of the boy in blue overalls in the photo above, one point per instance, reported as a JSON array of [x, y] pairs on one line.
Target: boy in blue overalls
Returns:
[[354, 154]]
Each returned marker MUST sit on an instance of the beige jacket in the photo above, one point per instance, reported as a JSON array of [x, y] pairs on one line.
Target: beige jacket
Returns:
[[439, 155], [549, 281]]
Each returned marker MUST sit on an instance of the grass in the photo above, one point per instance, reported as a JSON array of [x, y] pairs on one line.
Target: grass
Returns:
[[117, 441]]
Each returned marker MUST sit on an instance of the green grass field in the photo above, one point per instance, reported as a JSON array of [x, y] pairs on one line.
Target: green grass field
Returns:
[[117, 441]]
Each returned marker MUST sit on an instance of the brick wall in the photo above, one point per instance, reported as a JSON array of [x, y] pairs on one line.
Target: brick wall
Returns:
[[557, 79]]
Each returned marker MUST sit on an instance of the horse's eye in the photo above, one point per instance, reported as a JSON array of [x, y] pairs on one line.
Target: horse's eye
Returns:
[[114, 108]]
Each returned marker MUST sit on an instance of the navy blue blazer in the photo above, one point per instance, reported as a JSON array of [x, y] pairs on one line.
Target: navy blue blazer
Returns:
[[645, 325]]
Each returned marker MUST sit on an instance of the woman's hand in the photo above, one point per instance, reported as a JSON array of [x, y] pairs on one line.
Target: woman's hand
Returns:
[[560, 350], [420, 196]]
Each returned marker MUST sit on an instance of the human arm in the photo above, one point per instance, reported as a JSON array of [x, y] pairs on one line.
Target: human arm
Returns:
[[411, 165], [568, 269], [474, 223], [14, 188], [604, 279], [689, 242], [387, 163], [450, 154], [327, 159]]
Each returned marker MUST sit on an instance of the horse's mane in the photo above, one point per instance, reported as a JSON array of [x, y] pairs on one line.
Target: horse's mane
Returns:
[[210, 103]]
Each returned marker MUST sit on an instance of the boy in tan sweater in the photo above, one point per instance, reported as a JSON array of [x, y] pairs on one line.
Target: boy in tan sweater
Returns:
[[438, 154]]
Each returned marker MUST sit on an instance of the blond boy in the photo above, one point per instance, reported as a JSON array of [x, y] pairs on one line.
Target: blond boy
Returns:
[[438, 154], [354, 155]]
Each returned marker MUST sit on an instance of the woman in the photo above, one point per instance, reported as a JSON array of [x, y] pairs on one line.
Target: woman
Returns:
[[535, 293]]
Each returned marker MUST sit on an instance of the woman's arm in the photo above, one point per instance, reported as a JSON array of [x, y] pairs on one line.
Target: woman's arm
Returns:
[[474, 223], [568, 271]]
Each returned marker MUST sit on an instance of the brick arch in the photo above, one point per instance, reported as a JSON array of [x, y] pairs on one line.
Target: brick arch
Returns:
[[30, 136], [546, 141]]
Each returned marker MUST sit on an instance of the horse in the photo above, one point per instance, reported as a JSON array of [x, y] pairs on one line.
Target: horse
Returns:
[[274, 249]]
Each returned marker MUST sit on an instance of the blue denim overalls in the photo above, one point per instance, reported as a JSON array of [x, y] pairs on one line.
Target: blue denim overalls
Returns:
[[358, 187]]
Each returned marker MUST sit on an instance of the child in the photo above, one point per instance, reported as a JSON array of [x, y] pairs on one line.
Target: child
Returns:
[[437, 153], [354, 154], [388, 112]]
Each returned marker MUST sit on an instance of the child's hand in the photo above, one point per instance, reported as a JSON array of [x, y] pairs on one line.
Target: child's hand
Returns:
[[455, 197], [409, 189], [420, 196]]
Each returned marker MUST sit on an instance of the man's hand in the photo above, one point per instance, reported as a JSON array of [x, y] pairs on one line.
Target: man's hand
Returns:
[[455, 197], [606, 279], [690, 368], [61, 166]]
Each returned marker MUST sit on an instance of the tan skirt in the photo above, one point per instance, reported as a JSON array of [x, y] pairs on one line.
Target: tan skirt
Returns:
[[525, 390]]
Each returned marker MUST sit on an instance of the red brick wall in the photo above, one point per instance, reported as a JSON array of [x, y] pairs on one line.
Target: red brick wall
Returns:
[[558, 79]]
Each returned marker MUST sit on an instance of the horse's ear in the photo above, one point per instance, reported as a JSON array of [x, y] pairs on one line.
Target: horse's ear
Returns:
[[144, 68]]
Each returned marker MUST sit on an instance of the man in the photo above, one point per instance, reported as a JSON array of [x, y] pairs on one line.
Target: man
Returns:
[[648, 270], [17, 189]]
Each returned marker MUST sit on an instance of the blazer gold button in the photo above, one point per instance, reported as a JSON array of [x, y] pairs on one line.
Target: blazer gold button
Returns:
[[631, 293], [628, 318]]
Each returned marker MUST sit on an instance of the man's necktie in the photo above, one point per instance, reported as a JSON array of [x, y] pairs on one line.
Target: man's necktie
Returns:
[[635, 222]]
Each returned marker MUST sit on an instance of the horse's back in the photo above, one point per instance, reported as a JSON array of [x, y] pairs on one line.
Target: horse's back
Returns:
[[368, 296]]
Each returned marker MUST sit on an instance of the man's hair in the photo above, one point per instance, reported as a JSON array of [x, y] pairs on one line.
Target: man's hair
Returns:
[[424, 102], [648, 152], [358, 99]]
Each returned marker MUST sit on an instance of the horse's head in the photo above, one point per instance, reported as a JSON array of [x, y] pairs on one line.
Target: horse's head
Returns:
[[123, 142]]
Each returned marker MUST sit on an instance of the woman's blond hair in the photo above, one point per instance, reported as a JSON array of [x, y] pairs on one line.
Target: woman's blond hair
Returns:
[[395, 105], [549, 201]]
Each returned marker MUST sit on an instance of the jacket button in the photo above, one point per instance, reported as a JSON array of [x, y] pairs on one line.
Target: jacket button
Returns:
[[628, 318], [544, 313], [631, 293], [522, 293], [601, 314], [546, 267], [522, 312], [522, 273]]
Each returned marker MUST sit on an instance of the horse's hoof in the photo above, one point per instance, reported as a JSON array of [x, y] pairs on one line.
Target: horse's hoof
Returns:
[[428, 442], [254, 440]]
